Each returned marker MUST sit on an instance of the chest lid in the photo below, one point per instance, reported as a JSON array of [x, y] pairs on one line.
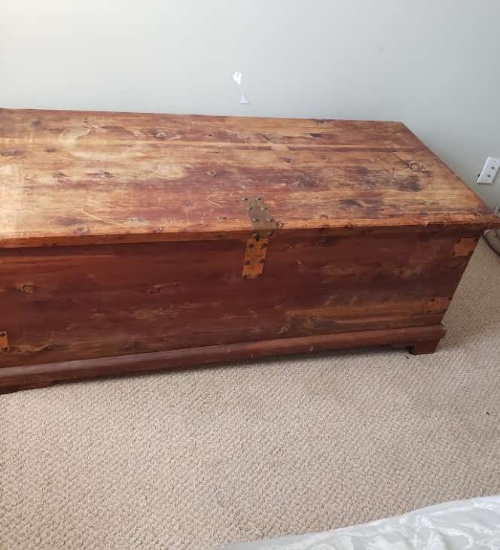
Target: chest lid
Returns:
[[94, 177]]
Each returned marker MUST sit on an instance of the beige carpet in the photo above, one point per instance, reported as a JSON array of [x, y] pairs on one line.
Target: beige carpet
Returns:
[[196, 459]]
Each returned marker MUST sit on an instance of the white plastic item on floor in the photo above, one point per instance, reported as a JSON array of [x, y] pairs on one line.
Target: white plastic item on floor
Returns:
[[493, 239], [469, 524]]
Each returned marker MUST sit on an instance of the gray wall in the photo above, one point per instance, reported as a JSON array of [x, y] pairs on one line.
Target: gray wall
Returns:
[[431, 63]]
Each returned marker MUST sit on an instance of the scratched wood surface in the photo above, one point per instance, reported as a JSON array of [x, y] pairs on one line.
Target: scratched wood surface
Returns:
[[83, 302], [147, 212], [87, 177]]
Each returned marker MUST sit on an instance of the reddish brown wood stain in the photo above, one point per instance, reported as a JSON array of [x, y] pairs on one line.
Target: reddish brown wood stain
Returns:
[[116, 299], [123, 177], [125, 234]]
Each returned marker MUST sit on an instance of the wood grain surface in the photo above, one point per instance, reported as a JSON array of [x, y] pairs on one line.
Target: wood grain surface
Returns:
[[88, 177], [421, 339], [97, 301], [208, 238]]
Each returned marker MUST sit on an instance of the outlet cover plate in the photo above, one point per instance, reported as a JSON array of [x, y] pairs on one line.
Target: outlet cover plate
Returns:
[[489, 172]]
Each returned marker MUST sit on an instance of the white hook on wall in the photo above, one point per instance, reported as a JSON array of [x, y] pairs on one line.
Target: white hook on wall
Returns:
[[237, 77]]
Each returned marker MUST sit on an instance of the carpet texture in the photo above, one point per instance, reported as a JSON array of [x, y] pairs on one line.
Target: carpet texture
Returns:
[[199, 458]]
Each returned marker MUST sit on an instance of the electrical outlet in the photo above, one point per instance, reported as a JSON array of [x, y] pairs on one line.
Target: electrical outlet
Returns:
[[490, 170]]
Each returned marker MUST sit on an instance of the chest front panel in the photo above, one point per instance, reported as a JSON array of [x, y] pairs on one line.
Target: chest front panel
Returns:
[[98, 301]]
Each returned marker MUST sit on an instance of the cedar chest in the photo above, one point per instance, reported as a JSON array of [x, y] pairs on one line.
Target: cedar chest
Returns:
[[134, 242]]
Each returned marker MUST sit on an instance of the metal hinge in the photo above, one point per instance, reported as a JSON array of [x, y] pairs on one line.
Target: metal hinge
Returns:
[[464, 247], [264, 227], [4, 342]]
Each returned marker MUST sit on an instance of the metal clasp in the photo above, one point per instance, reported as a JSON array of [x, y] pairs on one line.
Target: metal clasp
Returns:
[[264, 226], [4, 342]]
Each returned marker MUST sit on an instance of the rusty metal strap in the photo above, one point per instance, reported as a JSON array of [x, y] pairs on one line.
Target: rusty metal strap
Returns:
[[262, 220], [264, 227], [4, 342], [255, 257]]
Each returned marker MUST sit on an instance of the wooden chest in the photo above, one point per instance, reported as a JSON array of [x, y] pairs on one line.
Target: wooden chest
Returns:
[[134, 242]]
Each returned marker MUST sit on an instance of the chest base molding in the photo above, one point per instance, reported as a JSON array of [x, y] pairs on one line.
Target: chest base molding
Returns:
[[419, 340]]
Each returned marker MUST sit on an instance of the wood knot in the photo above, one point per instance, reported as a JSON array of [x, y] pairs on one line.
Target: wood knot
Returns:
[[26, 288], [415, 166], [11, 153]]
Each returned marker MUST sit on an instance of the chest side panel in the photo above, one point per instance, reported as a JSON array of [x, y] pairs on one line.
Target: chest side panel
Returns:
[[96, 301]]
